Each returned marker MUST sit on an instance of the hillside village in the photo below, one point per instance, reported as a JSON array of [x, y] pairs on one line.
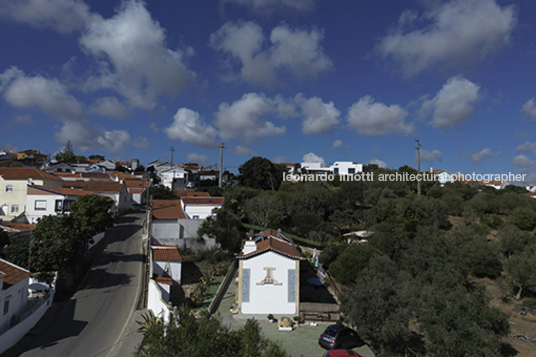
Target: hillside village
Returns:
[[274, 240]]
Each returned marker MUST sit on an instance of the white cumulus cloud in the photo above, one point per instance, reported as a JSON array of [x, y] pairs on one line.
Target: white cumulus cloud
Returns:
[[370, 118], [197, 158], [243, 150], [128, 42], [48, 95], [336, 144], [528, 146], [189, 127], [110, 107], [523, 161], [476, 157], [319, 117], [529, 108], [312, 158], [64, 16], [380, 163], [242, 119], [454, 104], [293, 51], [457, 32], [269, 6], [85, 136], [429, 156]]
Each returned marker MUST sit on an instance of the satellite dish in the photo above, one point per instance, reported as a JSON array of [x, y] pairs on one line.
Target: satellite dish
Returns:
[[30, 181]]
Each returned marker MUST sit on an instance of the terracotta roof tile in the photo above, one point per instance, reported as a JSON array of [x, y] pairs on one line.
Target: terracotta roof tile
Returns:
[[24, 173], [203, 200], [165, 253], [13, 273], [190, 193], [281, 244], [21, 227], [95, 186], [45, 190], [163, 280], [167, 209]]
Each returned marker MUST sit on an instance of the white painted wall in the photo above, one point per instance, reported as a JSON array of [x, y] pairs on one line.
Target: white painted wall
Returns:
[[18, 299], [155, 301], [17, 196], [266, 299], [200, 211], [159, 267], [345, 168], [14, 334]]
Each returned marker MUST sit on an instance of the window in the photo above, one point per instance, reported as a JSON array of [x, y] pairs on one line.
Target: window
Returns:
[[40, 205], [6, 306], [9, 188], [336, 171], [14, 208], [351, 170], [58, 206]]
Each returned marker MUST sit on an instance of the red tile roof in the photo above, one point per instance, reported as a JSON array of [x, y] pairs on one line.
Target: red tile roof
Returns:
[[165, 253], [83, 175], [13, 273], [95, 186], [167, 209], [24, 173], [21, 227], [203, 200], [190, 193], [163, 280], [272, 241], [45, 190]]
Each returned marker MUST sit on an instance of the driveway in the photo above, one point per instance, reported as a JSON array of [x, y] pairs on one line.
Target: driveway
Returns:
[[301, 342]]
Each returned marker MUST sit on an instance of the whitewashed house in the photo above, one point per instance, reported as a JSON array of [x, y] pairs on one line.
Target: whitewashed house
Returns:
[[345, 168], [19, 311], [201, 207], [45, 201], [117, 191], [269, 275], [442, 176], [13, 188], [171, 226], [174, 177], [167, 262]]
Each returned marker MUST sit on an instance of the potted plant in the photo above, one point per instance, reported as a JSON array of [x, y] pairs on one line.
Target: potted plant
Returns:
[[271, 318], [297, 319]]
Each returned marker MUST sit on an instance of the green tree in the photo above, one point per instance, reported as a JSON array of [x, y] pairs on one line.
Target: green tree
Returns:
[[513, 240], [4, 241], [520, 270], [160, 192], [90, 215], [458, 322], [523, 217], [67, 154], [349, 264], [259, 172], [377, 306], [225, 228], [97, 157], [264, 210]]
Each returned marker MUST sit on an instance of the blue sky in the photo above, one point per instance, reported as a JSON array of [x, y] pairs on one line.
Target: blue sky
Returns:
[[355, 80]]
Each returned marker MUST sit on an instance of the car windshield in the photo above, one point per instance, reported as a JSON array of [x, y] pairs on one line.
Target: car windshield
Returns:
[[330, 332]]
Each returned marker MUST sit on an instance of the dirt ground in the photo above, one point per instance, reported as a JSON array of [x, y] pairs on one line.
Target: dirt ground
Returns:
[[519, 325]]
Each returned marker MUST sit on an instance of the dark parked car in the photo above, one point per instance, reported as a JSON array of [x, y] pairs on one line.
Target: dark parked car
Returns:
[[340, 353], [339, 337]]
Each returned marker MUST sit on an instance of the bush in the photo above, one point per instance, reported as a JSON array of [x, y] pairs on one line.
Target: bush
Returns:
[[530, 302]]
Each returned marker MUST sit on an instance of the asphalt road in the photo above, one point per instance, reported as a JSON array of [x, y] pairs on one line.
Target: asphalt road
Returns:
[[93, 321]]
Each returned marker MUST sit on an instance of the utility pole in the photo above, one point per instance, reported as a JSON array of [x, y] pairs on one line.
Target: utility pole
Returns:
[[222, 146], [418, 166], [172, 149]]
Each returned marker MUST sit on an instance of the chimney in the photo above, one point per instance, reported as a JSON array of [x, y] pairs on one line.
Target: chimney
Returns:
[[431, 170], [249, 247]]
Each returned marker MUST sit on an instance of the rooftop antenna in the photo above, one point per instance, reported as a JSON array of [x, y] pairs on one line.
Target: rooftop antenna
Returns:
[[418, 166]]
